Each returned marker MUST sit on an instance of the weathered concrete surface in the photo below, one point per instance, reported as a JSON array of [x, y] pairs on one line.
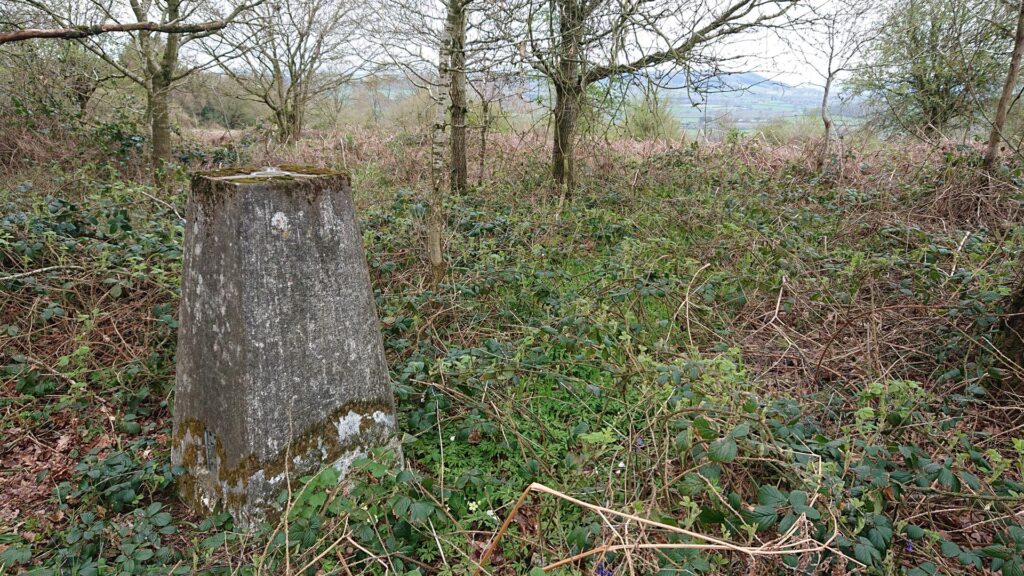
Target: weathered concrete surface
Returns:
[[280, 367]]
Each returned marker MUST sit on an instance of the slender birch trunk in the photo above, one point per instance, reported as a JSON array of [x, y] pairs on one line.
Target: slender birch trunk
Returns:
[[435, 210]]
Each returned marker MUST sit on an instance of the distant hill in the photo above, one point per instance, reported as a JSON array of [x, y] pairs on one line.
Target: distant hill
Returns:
[[744, 101]]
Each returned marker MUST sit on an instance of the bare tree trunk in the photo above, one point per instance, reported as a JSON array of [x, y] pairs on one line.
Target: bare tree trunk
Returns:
[[569, 88], [1011, 339], [563, 159], [435, 209], [1006, 98], [457, 22], [83, 87], [161, 68], [160, 125], [826, 119], [289, 124], [485, 123]]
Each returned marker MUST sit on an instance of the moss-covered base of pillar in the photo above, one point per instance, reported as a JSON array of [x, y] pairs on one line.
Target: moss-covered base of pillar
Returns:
[[249, 490]]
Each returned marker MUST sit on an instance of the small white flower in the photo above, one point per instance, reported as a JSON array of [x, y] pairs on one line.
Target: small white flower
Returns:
[[452, 438], [492, 514], [473, 506], [622, 464]]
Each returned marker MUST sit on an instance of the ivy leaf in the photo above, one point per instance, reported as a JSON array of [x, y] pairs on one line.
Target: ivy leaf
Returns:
[[317, 499], [161, 519], [213, 542], [692, 484], [723, 450], [329, 476]]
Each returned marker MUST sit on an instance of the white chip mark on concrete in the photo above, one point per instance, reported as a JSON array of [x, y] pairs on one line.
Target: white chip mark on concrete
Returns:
[[381, 417], [348, 425], [343, 463], [279, 222]]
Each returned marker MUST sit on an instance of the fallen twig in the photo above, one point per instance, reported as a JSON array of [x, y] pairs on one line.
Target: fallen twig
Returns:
[[771, 549]]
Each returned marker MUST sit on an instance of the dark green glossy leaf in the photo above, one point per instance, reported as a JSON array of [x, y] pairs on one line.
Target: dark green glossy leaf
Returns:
[[914, 532], [949, 549]]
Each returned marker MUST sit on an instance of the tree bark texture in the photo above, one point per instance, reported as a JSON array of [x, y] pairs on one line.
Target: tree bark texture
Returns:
[[569, 90], [457, 23], [1006, 98], [435, 209]]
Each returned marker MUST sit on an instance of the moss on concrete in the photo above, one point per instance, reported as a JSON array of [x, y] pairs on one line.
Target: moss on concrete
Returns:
[[232, 482], [213, 188], [250, 174]]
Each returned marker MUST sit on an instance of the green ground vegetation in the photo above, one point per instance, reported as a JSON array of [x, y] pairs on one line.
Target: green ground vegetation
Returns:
[[717, 342]]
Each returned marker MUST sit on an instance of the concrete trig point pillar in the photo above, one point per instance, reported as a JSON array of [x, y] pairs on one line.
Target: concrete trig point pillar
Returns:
[[281, 367]]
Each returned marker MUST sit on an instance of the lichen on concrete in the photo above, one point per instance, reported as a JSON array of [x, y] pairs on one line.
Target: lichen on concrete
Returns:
[[281, 367], [248, 488]]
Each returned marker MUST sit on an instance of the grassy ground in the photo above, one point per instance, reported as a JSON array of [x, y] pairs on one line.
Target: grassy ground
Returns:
[[718, 341]]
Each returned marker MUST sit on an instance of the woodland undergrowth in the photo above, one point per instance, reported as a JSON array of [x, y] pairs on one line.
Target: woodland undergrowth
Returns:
[[713, 360]]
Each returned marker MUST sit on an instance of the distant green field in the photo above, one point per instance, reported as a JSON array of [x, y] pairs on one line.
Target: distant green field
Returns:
[[749, 109]]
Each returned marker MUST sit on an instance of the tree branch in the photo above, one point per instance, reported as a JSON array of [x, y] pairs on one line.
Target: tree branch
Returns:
[[77, 32]]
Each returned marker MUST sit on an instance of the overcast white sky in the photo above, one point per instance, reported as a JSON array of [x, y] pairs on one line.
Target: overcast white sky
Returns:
[[792, 60], [781, 62]]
